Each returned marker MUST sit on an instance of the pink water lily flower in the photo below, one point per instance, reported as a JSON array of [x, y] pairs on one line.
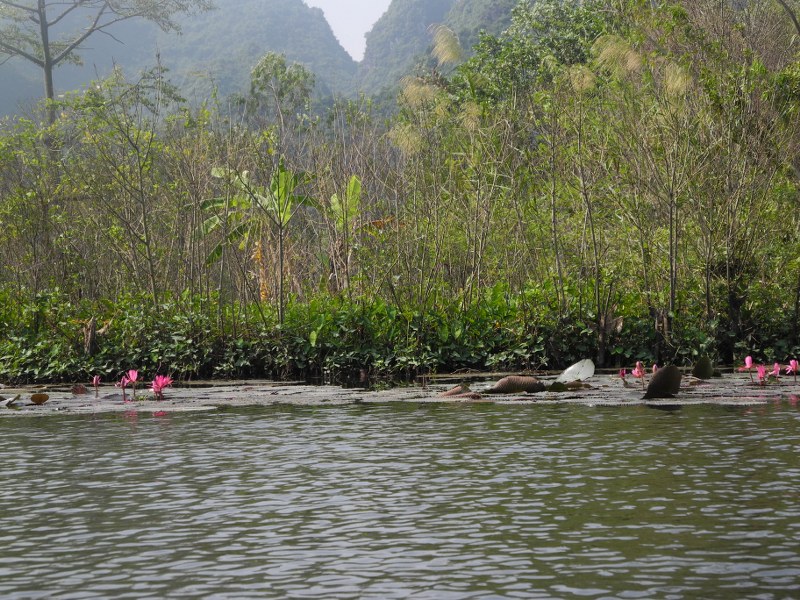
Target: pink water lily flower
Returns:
[[762, 374], [638, 372], [159, 383], [792, 368], [776, 371], [133, 376], [748, 365], [123, 383]]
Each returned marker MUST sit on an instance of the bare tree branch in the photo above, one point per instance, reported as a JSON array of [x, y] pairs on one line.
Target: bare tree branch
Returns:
[[26, 32], [77, 42]]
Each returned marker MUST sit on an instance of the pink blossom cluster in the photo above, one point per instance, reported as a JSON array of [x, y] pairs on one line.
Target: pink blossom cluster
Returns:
[[762, 372], [130, 377], [638, 372]]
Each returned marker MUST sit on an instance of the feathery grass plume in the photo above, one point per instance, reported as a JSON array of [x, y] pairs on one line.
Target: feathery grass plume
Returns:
[[676, 80], [471, 116], [406, 138], [416, 92], [581, 79], [442, 110], [616, 55], [447, 49]]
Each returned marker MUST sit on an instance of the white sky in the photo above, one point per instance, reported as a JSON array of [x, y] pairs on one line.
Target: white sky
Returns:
[[351, 19]]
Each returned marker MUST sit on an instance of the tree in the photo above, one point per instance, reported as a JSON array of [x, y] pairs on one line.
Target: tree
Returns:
[[48, 33], [281, 88]]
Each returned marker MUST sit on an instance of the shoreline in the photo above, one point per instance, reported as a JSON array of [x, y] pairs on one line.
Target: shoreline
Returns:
[[203, 396]]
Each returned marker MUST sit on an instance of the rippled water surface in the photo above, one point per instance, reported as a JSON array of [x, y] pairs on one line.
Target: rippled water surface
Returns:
[[404, 501]]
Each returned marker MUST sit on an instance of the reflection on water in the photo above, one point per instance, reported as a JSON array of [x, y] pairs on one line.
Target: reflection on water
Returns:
[[401, 501]]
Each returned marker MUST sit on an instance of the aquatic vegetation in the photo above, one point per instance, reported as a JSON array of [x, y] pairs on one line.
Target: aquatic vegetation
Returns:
[[123, 383], [666, 383], [748, 366], [762, 374], [39, 398], [133, 376], [9, 402], [159, 383], [703, 368], [514, 384], [638, 372], [580, 371], [792, 368]]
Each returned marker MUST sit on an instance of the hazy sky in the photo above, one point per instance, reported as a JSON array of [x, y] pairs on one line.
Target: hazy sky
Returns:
[[351, 19]]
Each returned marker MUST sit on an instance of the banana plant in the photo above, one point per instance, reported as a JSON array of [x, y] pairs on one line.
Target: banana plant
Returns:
[[343, 212], [246, 211]]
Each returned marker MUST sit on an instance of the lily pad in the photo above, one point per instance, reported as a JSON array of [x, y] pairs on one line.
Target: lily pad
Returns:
[[461, 388], [666, 382], [514, 384], [39, 398], [580, 371], [703, 368], [8, 402], [557, 386]]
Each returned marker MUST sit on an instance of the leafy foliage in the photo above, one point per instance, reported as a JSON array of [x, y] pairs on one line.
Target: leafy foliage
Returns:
[[618, 183]]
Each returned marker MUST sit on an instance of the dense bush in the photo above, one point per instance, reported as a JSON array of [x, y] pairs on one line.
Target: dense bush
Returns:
[[612, 180]]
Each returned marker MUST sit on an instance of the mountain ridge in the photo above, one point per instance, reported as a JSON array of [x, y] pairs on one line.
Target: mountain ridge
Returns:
[[217, 49]]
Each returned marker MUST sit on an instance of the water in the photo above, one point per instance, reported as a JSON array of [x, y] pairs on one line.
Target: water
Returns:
[[404, 501]]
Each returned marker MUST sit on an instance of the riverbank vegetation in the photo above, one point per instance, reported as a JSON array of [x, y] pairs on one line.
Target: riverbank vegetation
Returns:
[[605, 179]]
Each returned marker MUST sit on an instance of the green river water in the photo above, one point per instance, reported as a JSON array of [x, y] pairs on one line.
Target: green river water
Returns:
[[404, 501]]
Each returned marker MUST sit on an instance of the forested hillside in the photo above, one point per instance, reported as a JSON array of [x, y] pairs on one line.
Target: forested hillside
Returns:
[[216, 49], [402, 37], [612, 179], [220, 47]]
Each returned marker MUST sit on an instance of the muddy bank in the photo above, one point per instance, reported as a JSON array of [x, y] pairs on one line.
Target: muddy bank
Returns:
[[605, 390]]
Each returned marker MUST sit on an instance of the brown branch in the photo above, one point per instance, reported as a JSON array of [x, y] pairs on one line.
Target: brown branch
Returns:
[[791, 13], [13, 51], [78, 41], [74, 6], [19, 6]]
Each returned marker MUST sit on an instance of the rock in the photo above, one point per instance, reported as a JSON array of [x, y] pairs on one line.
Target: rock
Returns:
[[514, 384], [666, 382]]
